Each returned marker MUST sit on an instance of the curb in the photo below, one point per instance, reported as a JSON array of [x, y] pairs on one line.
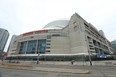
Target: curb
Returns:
[[44, 69], [60, 70]]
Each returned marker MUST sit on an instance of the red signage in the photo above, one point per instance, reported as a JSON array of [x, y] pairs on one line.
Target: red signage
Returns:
[[28, 33], [35, 32], [41, 31]]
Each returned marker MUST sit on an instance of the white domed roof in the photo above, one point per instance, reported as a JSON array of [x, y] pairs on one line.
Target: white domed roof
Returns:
[[58, 24]]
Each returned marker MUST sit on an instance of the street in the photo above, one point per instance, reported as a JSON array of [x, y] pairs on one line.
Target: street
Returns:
[[95, 71]]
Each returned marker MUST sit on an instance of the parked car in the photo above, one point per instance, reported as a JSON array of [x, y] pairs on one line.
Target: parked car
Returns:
[[104, 56]]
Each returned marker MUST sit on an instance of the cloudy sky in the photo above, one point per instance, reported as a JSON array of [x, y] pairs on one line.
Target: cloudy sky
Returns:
[[19, 16]]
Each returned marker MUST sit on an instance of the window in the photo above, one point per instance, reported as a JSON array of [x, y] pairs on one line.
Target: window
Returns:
[[31, 47], [86, 25], [41, 46], [32, 37], [48, 36], [56, 35], [23, 47], [48, 44], [92, 48], [48, 51], [48, 40], [48, 47]]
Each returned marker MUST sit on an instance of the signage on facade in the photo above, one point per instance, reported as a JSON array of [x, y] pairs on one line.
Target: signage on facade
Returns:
[[35, 32]]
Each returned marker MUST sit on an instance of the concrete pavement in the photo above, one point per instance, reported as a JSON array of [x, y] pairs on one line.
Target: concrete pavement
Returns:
[[45, 69], [44, 66], [95, 71], [85, 63]]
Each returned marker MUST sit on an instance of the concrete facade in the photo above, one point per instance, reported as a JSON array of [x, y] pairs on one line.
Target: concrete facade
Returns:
[[78, 37]]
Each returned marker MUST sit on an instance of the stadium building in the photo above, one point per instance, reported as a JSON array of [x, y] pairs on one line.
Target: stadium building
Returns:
[[60, 40]]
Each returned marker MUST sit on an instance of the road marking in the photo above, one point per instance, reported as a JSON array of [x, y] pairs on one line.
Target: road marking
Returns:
[[111, 75]]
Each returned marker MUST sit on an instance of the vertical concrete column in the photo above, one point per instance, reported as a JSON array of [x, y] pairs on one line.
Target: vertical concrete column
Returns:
[[26, 47], [36, 47]]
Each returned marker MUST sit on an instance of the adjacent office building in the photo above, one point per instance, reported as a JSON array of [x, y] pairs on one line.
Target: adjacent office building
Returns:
[[4, 34], [11, 44], [61, 40], [114, 46]]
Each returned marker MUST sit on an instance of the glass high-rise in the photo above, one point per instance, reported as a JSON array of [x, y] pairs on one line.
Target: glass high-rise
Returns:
[[4, 34]]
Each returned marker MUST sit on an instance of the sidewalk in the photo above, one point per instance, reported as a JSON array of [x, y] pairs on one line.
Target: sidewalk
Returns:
[[78, 63], [87, 63], [43, 66], [44, 69]]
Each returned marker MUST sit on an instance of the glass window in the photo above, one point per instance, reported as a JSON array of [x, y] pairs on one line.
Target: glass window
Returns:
[[41, 46], [22, 47], [31, 48]]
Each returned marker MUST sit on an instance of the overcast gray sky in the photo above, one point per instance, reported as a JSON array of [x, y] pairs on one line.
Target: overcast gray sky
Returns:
[[19, 16]]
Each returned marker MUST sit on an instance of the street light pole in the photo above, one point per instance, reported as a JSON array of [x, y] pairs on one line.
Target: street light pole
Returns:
[[89, 53], [38, 57], [90, 58], [2, 56]]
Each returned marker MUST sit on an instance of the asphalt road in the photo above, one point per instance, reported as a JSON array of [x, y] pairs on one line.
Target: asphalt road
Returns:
[[95, 71]]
